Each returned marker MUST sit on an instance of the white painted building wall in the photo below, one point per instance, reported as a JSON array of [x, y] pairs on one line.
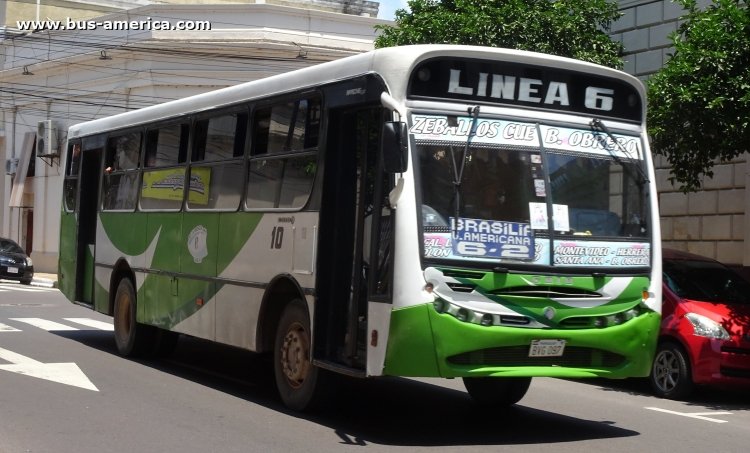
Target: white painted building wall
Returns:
[[75, 76]]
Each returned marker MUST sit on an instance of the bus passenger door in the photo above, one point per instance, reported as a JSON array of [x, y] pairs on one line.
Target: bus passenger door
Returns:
[[88, 207], [354, 224]]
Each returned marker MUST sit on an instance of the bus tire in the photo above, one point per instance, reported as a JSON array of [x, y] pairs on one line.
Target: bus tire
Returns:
[[495, 391], [670, 373], [301, 385], [132, 338]]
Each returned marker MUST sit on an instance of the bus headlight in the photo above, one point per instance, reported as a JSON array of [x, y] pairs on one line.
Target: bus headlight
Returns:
[[618, 318]]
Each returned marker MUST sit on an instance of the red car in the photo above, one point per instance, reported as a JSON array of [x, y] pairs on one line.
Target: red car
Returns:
[[705, 330]]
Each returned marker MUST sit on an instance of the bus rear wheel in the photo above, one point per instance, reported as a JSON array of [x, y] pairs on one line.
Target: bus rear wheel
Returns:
[[493, 391], [301, 384], [131, 337]]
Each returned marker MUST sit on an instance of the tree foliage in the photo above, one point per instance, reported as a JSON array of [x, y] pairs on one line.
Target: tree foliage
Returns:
[[568, 28], [699, 103]]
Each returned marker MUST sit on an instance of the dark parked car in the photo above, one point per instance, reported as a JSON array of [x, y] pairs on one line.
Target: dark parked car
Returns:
[[14, 263], [705, 330]]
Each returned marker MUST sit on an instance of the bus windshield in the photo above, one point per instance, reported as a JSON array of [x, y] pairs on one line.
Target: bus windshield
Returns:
[[514, 198]]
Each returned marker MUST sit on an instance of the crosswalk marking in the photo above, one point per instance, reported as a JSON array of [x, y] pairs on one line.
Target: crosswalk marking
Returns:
[[44, 324], [49, 325], [101, 325], [29, 289], [7, 328], [32, 289]]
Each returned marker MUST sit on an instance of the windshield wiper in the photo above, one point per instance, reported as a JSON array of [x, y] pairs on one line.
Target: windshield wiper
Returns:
[[598, 125], [458, 172]]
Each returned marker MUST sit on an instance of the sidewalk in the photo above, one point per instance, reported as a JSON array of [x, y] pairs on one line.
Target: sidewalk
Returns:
[[45, 280]]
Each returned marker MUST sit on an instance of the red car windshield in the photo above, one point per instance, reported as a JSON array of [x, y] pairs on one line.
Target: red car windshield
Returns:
[[706, 281]]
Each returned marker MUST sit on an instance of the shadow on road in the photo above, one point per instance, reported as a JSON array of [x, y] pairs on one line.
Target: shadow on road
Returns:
[[704, 397], [395, 411], [385, 411]]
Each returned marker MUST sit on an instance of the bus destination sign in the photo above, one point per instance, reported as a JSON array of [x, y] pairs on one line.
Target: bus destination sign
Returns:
[[492, 239], [518, 84]]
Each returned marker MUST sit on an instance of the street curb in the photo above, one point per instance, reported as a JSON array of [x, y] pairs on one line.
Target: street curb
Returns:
[[44, 283]]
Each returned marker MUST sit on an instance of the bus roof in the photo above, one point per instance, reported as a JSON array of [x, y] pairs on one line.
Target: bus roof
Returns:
[[393, 64]]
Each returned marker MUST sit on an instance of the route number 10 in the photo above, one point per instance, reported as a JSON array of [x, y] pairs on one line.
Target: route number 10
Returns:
[[277, 237]]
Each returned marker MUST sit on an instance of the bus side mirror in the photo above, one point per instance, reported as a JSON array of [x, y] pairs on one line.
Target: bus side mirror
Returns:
[[395, 147]]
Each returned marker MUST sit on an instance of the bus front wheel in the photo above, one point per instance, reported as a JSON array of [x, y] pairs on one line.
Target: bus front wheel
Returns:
[[131, 337], [299, 382], [494, 391]]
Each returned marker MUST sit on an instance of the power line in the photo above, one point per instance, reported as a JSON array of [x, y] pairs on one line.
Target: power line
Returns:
[[102, 42], [69, 46], [204, 55], [82, 92], [51, 98]]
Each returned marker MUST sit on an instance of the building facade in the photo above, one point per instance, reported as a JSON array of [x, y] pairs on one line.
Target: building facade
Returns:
[[120, 61], [710, 222]]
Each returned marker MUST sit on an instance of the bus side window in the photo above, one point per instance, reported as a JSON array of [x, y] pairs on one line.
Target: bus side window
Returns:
[[74, 158], [312, 110], [281, 128], [284, 158], [121, 172], [149, 159], [167, 145], [220, 138], [200, 133], [163, 188], [123, 152], [216, 173], [261, 124], [70, 188], [265, 174]]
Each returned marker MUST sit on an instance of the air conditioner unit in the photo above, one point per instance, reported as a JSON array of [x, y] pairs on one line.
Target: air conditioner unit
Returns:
[[11, 165], [46, 139]]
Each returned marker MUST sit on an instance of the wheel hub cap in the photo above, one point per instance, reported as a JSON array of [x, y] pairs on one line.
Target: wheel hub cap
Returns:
[[295, 361]]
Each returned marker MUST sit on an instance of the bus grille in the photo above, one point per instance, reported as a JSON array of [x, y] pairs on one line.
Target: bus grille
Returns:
[[517, 356], [578, 322]]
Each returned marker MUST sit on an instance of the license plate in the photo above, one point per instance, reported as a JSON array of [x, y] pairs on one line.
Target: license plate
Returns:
[[12, 270], [547, 348]]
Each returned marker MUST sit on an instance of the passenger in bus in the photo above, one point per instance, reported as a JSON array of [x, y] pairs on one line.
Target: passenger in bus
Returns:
[[76, 159], [125, 154]]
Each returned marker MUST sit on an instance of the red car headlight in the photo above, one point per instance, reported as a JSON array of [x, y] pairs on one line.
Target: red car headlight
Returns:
[[705, 327]]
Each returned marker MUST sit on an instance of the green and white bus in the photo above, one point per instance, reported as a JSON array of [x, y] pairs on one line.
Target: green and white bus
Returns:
[[426, 211]]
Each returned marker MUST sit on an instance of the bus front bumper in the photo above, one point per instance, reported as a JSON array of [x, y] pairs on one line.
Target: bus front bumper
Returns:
[[426, 343]]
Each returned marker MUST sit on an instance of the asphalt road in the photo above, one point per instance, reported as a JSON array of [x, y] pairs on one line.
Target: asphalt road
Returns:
[[63, 388]]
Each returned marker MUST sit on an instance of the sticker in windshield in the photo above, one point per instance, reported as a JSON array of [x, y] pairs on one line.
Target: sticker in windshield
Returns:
[[492, 239]]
